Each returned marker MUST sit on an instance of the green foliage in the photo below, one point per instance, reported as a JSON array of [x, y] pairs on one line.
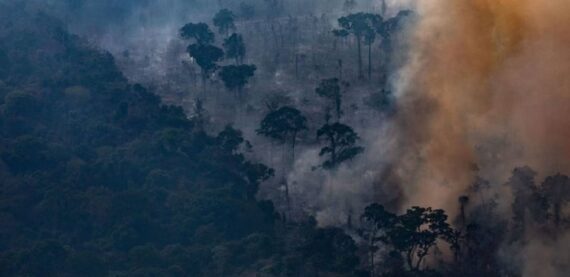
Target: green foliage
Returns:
[[98, 176], [382, 101], [224, 20], [361, 26], [556, 190], [283, 124], [206, 57], [235, 48], [412, 235], [333, 89], [342, 33], [200, 32], [235, 77], [341, 144], [331, 250]]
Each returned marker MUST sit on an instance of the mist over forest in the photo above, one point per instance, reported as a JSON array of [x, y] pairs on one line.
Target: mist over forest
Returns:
[[386, 138]]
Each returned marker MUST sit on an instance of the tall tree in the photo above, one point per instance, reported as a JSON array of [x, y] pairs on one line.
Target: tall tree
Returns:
[[333, 90], [284, 126], [528, 203], [224, 20], [556, 190], [359, 25], [369, 39], [341, 144], [235, 77], [206, 56], [200, 32], [377, 222], [235, 48]]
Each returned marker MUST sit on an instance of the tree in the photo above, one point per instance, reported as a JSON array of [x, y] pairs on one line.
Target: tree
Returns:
[[341, 141], [235, 48], [556, 190], [412, 234], [332, 89], [283, 125], [359, 25], [528, 202], [416, 232], [377, 223], [331, 250], [200, 115], [224, 20], [200, 32], [369, 39], [230, 139], [382, 101], [206, 56], [235, 77]]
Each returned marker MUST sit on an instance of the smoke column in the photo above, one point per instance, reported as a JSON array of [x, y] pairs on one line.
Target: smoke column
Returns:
[[487, 89]]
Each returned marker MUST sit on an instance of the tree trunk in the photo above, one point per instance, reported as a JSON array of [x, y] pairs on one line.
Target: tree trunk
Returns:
[[293, 143], [338, 104], [340, 69], [370, 61], [359, 46], [333, 151], [557, 208]]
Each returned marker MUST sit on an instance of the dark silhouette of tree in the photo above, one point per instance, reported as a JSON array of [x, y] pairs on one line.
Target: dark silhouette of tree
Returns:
[[378, 222], [235, 48], [416, 232], [235, 77], [200, 115], [369, 39], [206, 56], [333, 90], [341, 144], [224, 20], [463, 201], [387, 29], [230, 139], [556, 190], [331, 250], [283, 125], [339, 34], [200, 32], [382, 101], [391, 26], [412, 234], [528, 202], [359, 25]]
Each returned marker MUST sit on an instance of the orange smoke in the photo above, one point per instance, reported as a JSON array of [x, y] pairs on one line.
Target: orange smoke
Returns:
[[487, 89]]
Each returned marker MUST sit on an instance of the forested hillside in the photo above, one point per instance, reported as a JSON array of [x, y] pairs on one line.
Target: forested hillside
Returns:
[[283, 138]]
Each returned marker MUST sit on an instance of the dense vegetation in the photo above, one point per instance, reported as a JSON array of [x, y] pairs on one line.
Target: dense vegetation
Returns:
[[99, 177]]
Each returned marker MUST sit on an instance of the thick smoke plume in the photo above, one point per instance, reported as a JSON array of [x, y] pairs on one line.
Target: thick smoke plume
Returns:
[[486, 89]]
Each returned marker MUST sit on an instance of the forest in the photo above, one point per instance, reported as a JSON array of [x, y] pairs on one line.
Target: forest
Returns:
[[377, 138]]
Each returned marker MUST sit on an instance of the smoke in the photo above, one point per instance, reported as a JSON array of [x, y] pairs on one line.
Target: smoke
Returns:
[[484, 91]]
